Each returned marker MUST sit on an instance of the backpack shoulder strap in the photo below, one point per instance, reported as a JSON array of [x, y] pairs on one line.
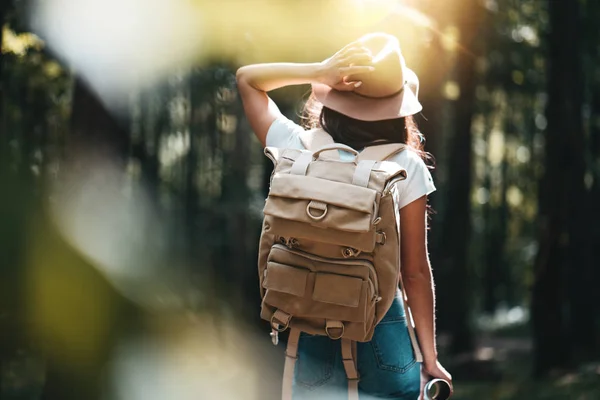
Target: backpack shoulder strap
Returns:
[[291, 355], [381, 152], [349, 361], [316, 139]]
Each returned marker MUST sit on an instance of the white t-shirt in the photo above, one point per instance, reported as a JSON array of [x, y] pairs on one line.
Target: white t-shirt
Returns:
[[284, 133]]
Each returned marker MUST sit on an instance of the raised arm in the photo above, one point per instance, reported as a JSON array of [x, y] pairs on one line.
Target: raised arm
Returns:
[[418, 282], [254, 81]]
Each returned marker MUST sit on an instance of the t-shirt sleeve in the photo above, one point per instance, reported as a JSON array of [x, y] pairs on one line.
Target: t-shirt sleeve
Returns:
[[418, 182], [284, 133]]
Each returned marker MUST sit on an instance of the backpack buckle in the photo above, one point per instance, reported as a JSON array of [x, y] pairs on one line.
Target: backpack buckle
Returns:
[[380, 238], [280, 321], [274, 337]]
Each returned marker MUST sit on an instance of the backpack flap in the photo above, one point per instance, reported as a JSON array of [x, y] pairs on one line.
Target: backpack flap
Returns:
[[321, 203], [305, 207], [327, 200]]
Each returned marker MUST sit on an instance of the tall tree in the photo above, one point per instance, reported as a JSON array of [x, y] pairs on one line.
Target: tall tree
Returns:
[[453, 273], [153, 119], [95, 130], [560, 265], [434, 63], [594, 215], [591, 39], [494, 268], [192, 194], [4, 8], [15, 206]]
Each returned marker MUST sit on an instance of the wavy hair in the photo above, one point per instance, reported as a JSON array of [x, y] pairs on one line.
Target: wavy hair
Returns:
[[360, 134]]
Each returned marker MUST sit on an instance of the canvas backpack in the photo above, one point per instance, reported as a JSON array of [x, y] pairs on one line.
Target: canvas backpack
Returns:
[[329, 255]]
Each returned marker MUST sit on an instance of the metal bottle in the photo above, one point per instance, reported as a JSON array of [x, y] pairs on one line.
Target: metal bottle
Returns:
[[437, 389]]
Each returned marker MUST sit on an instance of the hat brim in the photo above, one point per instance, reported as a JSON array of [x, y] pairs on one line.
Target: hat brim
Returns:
[[363, 108]]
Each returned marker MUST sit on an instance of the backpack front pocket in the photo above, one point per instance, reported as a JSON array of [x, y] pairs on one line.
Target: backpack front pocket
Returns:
[[285, 279], [313, 290], [337, 289]]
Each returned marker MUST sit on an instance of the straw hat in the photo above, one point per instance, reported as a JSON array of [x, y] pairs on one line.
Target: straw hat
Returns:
[[390, 91]]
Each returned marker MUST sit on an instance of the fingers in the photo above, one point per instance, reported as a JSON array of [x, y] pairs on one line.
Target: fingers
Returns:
[[354, 52], [359, 54], [350, 46], [347, 86], [361, 58], [356, 69]]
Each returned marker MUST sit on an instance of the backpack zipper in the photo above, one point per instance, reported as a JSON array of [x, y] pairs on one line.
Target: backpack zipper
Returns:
[[372, 274]]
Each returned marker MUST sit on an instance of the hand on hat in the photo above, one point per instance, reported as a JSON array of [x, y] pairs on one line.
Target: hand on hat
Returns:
[[337, 70]]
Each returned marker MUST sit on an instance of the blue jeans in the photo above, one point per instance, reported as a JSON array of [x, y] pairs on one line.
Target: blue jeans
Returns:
[[386, 364]]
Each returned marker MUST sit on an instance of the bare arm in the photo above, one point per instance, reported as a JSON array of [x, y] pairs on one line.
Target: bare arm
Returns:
[[416, 274], [418, 282], [254, 81]]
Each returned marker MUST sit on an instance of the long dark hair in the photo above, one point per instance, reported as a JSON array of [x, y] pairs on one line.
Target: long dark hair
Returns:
[[360, 134]]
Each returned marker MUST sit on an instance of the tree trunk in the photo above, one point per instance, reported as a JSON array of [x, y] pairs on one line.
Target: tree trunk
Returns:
[[499, 241], [453, 275], [496, 274], [240, 245], [192, 195], [2, 18], [560, 263], [147, 147], [433, 73], [96, 134], [592, 36], [594, 215], [594, 209], [3, 138]]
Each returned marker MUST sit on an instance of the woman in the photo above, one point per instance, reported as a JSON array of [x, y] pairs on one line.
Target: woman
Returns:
[[363, 94]]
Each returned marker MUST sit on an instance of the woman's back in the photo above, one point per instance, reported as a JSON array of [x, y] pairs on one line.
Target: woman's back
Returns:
[[367, 96]]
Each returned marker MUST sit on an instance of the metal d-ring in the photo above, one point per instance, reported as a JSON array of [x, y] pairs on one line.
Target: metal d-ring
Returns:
[[317, 217], [335, 337], [276, 326]]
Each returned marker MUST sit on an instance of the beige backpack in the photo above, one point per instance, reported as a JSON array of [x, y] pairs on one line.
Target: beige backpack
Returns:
[[329, 257]]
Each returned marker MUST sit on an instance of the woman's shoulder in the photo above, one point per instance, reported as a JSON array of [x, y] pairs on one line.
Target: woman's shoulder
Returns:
[[284, 132], [409, 158], [419, 181]]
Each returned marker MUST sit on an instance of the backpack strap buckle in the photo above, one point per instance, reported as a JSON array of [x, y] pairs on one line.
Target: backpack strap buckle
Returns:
[[274, 337], [280, 321]]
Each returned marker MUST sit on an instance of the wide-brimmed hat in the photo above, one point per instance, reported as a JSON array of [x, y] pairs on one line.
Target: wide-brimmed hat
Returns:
[[390, 91]]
